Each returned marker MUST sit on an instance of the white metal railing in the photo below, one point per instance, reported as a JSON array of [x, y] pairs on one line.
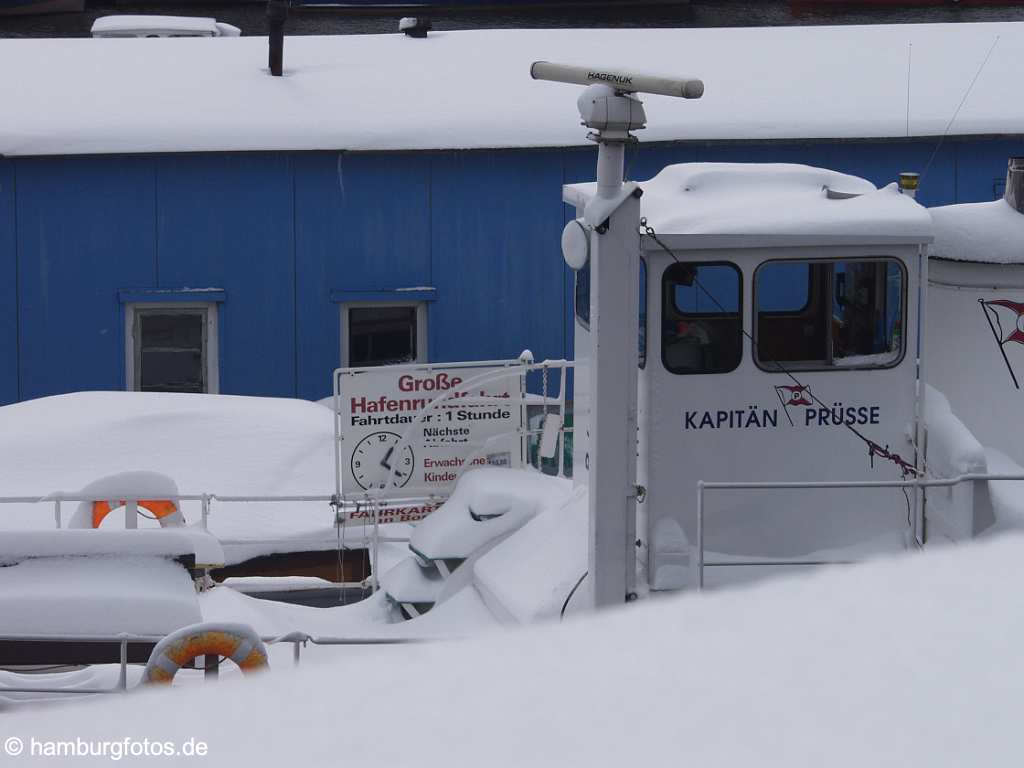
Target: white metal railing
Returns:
[[205, 499], [298, 640], [915, 483], [524, 432]]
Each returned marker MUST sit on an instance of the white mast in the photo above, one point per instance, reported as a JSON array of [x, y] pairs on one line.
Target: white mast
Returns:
[[611, 223]]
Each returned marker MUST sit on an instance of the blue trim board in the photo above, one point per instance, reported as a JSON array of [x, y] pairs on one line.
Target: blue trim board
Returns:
[[182, 295], [394, 294]]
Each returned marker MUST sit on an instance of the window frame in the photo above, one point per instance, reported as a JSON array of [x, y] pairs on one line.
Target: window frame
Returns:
[[740, 313], [421, 327], [813, 366], [211, 345]]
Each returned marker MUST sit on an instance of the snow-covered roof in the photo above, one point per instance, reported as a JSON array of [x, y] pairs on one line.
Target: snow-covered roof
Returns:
[[472, 89], [983, 232], [772, 199]]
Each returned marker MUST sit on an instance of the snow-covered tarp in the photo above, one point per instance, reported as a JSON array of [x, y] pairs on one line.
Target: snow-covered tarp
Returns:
[[214, 444], [910, 661], [97, 595], [472, 88]]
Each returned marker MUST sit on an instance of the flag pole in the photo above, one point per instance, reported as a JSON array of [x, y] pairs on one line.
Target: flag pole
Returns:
[[999, 343], [785, 408]]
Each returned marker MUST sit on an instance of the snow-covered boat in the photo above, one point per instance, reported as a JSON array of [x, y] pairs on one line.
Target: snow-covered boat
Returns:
[[754, 355]]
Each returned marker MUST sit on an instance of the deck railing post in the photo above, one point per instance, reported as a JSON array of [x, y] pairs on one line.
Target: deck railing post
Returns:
[[700, 534], [211, 666], [122, 678], [56, 511]]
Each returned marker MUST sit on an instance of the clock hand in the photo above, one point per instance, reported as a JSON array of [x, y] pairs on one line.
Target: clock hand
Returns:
[[387, 465]]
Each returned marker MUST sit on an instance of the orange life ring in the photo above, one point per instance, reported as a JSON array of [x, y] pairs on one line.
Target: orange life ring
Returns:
[[161, 508], [237, 642]]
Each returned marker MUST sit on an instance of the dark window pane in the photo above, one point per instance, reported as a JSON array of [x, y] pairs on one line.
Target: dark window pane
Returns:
[[583, 295], [171, 371], [712, 289], [784, 286], [170, 352], [852, 315], [702, 326], [381, 335]]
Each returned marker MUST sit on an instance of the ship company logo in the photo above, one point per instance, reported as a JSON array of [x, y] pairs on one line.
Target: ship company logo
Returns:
[[793, 397], [1006, 321]]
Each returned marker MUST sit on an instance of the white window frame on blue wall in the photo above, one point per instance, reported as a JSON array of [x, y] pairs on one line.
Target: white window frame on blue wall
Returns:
[[422, 336], [211, 350]]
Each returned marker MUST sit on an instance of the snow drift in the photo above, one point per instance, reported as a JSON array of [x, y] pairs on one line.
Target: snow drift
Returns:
[[913, 660]]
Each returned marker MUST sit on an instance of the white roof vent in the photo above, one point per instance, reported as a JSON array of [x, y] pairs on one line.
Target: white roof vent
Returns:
[[162, 26]]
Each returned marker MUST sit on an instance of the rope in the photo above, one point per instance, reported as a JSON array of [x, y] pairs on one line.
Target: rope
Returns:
[[571, 593], [874, 449]]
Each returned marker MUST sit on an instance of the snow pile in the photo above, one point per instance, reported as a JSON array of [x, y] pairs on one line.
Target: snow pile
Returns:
[[472, 89], [952, 448], [96, 596], [910, 660], [487, 503], [227, 445], [1006, 496], [992, 233], [219, 443], [529, 576]]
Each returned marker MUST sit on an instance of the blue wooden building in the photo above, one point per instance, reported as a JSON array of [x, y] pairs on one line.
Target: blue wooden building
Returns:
[[137, 256]]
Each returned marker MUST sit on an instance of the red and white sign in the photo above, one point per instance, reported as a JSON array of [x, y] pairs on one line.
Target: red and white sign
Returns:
[[392, 438]]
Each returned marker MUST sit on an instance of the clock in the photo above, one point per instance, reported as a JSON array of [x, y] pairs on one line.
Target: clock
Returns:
[[374, 458]]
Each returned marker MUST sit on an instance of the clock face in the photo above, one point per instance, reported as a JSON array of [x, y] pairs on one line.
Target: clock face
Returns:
[[376, 463]]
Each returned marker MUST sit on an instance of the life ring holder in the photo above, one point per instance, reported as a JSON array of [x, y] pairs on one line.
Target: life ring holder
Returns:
[[164, 510], [238, 642]]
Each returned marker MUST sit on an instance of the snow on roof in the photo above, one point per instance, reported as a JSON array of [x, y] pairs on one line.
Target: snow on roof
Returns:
[[857, 666], [984, 232], [771, 199], [473, 89]]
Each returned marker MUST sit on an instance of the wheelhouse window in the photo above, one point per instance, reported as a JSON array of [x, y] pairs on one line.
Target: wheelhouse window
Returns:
[[830, 314], [582, 295], [702, 318], [383, 334], [170, 348]]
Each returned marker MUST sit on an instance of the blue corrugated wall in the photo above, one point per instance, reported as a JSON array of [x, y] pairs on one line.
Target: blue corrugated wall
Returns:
[[286, 234]]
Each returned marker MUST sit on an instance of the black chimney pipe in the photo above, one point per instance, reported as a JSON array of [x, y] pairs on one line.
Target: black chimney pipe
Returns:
[[1014, 193], [277, 15]]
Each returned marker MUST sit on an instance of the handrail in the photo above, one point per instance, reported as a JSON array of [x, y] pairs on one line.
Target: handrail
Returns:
[[296, 639], [917, 482]]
